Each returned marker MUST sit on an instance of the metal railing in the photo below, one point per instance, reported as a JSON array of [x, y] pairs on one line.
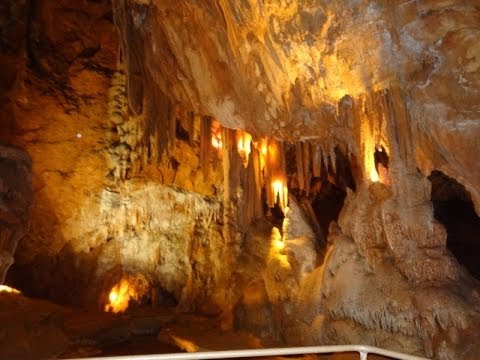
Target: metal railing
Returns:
[[362, 350]]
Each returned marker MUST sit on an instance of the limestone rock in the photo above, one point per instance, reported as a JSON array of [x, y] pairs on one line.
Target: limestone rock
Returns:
[[297, 60], [16, 198]]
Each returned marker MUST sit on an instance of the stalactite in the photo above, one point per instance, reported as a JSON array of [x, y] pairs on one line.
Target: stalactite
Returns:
[[300, 165], [307, 168], [326, 162], [257, 171], [333, 159], [191, 128], [226, 151], [132, 46], [156, 119], [317, 160], [244, 145], [398, 120], [252, 205], [276, 178], [172, 125], [205, 144]]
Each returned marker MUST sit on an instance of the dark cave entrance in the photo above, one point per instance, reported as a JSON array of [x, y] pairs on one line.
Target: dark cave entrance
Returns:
[[453, 207], [381, 157]]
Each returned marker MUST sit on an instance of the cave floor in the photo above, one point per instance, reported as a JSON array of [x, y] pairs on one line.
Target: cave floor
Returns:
[[33, 329]]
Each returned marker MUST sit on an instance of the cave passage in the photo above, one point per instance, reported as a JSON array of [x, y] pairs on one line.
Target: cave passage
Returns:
[[324, 195], [453, 207]]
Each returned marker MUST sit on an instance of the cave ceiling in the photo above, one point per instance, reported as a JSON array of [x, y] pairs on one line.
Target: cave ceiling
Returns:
[[280, 67]]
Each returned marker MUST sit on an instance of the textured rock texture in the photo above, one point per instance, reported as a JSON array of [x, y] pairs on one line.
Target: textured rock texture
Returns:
[[128, 183], [107, 204], [297, 59], [387, 278], [16, 198]]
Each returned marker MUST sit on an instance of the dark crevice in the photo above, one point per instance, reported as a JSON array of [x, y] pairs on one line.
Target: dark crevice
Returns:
[[453, 207], [381, 157], [327, 192], [181, 133]]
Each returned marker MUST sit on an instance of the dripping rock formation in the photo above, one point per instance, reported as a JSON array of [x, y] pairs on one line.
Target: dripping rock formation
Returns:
[[303, 171]]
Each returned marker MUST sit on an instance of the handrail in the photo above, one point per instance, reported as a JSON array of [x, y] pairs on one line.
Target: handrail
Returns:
[[363, 351]]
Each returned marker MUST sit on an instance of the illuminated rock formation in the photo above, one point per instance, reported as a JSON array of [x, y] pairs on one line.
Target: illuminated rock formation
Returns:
[[296, 60], [181, 150]]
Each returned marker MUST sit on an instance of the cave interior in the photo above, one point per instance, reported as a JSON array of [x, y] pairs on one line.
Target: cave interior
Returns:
[[184, 176]]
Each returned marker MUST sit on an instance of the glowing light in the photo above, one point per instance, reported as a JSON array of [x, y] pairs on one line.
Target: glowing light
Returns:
[[113, 296], [278, 244], [263, 148], [120, 296], [277, 187], [8, 289], [244, 144], [216, 135], [374, 175], [217, 141], [280, 191], [272, 150]]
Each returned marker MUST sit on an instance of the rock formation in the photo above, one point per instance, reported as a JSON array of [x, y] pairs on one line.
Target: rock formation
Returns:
[[297, 60], [16, 197], [185, 145]]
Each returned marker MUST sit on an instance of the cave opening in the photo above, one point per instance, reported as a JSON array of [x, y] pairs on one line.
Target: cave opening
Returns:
[[381, 161], [453, 207], [323, 196], [381, 157]]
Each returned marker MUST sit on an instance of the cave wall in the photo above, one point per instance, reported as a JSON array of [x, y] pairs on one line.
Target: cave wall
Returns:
[[16, 197], [110, 120], [359, 75], [107, 203], [387, 278], [16, 193]]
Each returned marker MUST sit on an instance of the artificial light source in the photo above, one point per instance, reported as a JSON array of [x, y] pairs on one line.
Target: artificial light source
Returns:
[[280, 192], [263, 148], [244, 144], [279, 244], [120, 296], [8, 289], [216, 135], [217, 141], [277, 187], [113, 296]]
